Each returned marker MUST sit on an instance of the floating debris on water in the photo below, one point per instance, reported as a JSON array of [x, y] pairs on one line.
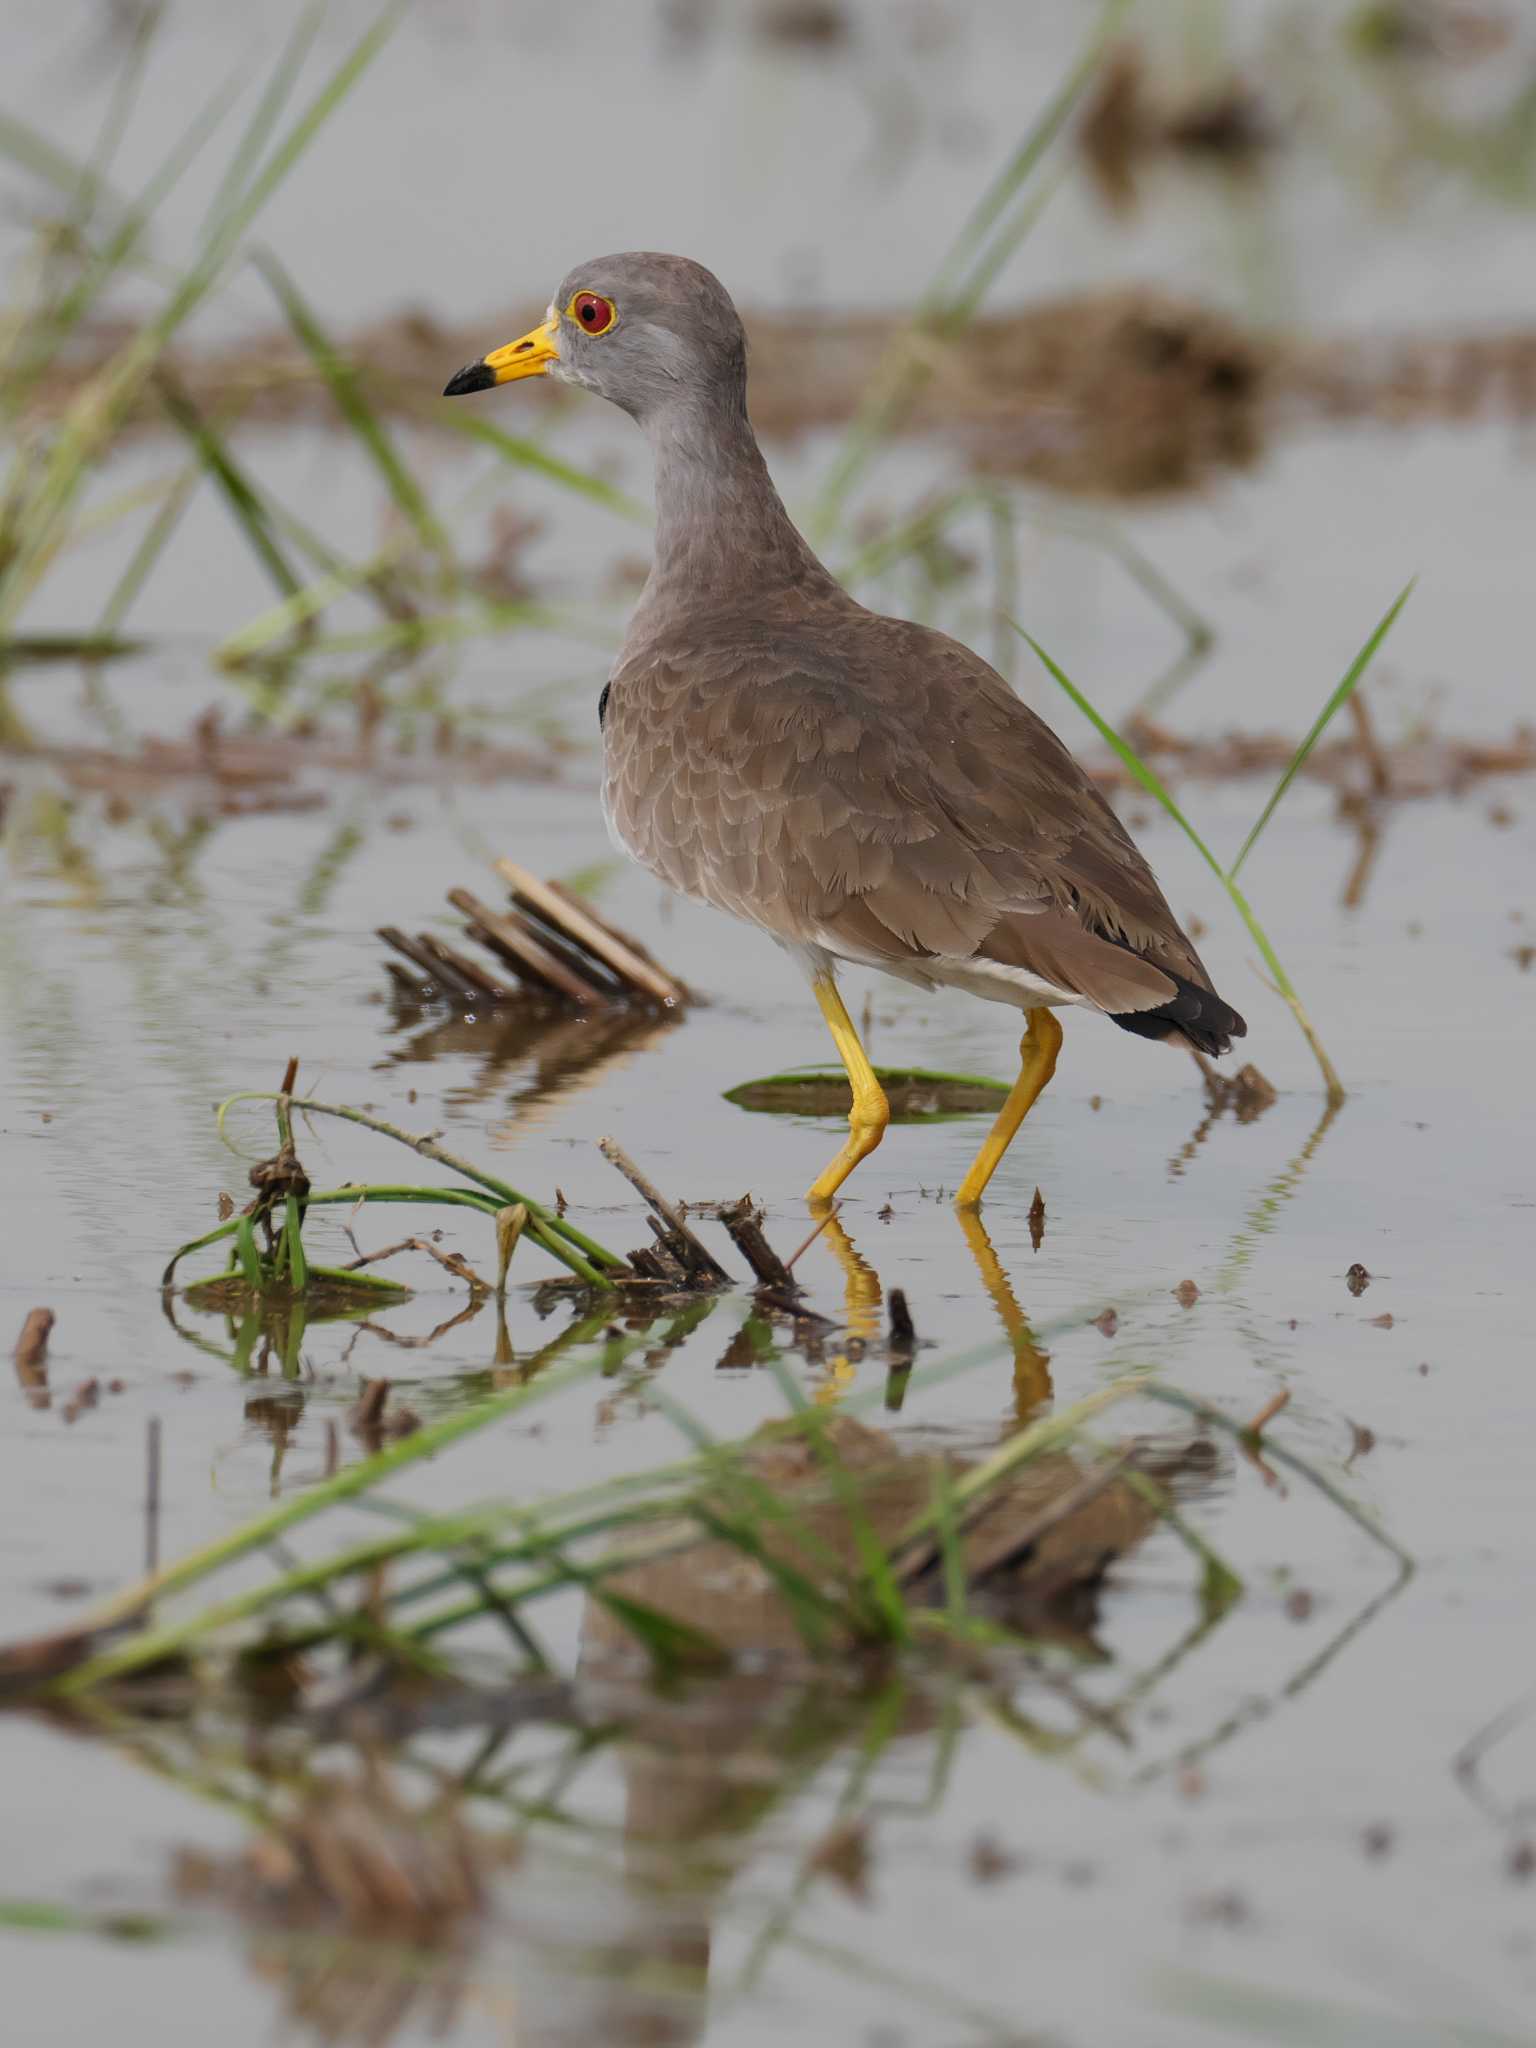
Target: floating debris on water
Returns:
[[1037, 1221]]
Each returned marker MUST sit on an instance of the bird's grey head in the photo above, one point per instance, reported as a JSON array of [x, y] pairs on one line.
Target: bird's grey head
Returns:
[[648, 332]]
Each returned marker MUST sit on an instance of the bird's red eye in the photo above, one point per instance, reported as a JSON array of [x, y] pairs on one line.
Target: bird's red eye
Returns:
[[594, 314]]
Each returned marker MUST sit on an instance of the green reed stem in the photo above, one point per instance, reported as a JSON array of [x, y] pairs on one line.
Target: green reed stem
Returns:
[[1154, 785]]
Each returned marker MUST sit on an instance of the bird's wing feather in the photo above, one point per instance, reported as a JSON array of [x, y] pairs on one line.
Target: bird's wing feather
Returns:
[[874, 783]]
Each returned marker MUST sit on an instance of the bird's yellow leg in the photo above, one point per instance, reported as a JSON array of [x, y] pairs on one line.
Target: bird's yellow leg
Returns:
[[1037, 1063], [870, 1112]]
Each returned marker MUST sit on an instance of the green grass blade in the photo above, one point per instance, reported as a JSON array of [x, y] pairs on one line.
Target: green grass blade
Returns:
[[120, 105], [41, 158], [293, 1239], [264, 118], [197, 1244], [152, 545], [123, 243], [239, 493], [522, 453], [1148, 777], [1011, 237], [543, 1224], [887, 1608], [959, 284], [245, 1247], [1153, 784], [994, 202], [231, 223], [1340, 697], [1258, 2012], [353, 1479], [291, 613], [346, 389], [94, 418]]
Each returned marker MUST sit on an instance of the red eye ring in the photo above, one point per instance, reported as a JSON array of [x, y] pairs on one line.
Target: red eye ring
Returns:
[[592, 313]]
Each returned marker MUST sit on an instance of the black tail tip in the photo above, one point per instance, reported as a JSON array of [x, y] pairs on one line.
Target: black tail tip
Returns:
[[1197, 1015], [473, 377]]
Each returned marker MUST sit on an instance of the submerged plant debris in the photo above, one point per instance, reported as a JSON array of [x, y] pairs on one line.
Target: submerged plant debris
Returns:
[[596, 1600]]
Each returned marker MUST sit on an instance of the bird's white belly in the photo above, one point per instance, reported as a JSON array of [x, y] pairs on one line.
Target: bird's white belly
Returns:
[[989, 979]]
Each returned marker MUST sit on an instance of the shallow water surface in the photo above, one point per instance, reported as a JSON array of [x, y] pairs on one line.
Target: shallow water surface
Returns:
[[1257, 1821]]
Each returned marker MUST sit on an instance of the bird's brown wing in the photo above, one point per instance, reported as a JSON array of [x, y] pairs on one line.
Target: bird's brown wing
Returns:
[[873, 786]]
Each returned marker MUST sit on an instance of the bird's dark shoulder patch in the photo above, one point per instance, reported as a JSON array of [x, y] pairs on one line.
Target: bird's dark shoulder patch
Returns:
[[602, 706]]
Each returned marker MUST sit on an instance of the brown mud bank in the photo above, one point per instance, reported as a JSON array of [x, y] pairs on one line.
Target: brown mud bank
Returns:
[[223, 772], [1126, 392]]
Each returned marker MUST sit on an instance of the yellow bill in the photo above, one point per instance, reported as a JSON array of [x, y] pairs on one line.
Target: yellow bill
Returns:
[[529, 357]]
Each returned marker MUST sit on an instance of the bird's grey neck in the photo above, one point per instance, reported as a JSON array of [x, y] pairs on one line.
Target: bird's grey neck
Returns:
[[721, 528]]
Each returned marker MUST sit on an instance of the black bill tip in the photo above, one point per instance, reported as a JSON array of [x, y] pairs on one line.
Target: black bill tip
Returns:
[[473, 377]]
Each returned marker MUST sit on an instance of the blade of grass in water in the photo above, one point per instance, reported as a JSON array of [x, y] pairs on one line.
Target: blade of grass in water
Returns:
[[239, 493], [1153, 783], [230, 224], [961, 281], [347, 391], [522, 453], [151, 545], [968, 247], [272, 626], [542, 1223], [1336, 703], [258, 130], [1259, 2012], [42, 158], [92, 421], [120, 104], [353, 1479], [120, 248]]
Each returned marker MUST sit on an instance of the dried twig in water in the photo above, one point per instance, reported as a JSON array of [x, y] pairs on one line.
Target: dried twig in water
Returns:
[[527, 952], [152, 1497], [901, 1348], [625, 956], [372, 1420], [1255, 1429], [449, 970], [452, 1262], [805, 1244], [903, 1333], [692, 1253], [560, 951], [367, 1411], [744, 1226], [1379, 773], [31, 1352], [1037, 1221], [31, 1357]]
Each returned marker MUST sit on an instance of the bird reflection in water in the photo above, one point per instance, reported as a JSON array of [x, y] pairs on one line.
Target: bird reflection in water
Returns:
[[863, 1296]]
